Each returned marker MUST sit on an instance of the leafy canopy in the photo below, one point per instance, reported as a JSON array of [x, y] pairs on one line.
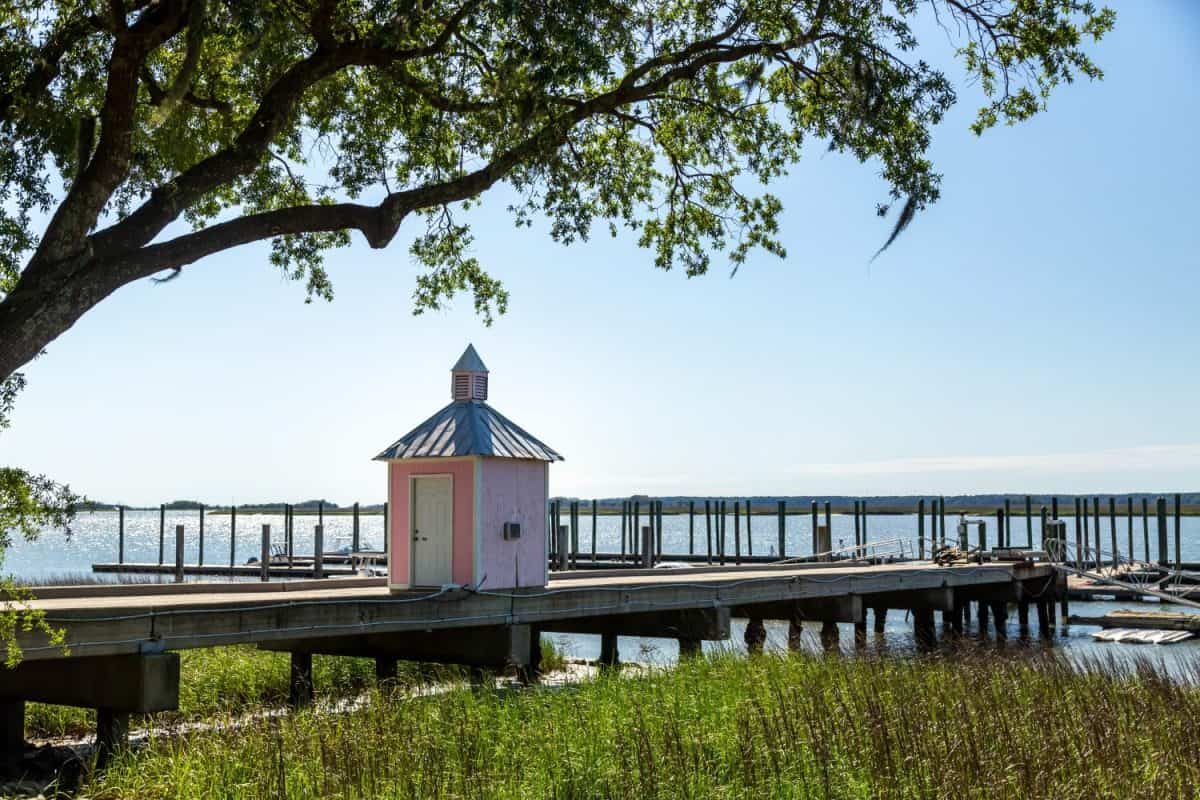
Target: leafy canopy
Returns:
[[260, 120]]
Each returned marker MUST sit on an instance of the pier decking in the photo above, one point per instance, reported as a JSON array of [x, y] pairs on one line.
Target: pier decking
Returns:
[[128, 633]]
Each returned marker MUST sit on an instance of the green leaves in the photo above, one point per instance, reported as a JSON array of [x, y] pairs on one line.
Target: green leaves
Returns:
[[670, 118]]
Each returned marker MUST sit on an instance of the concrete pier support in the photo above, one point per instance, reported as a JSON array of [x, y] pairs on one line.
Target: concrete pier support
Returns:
[[796, 632], [689, 648], [860, 635], [116, 686], [830, 635], [610, 654], [300, 680], [924, 631], [756, 635], [983, 619], [112, 732], [1000, 619], [12, 733], [1023, 615], [385, 669], [880, 618]]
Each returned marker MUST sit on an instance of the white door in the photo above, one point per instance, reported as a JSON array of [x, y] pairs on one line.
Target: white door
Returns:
[[432, 530]]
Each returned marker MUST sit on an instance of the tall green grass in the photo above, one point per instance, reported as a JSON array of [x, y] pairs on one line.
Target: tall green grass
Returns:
[[220, 681], [214, 681], [773, 726]]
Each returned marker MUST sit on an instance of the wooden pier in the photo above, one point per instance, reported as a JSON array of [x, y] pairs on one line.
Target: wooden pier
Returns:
[[124, 639]]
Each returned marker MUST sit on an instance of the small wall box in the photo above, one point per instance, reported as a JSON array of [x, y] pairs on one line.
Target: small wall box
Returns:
[[512, 530]]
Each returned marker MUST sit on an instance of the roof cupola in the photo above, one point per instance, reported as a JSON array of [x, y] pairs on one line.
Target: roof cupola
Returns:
[[469, 377]]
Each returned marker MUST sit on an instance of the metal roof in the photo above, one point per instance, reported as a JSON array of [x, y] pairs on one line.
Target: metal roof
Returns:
[[468, 428], [469, 361]]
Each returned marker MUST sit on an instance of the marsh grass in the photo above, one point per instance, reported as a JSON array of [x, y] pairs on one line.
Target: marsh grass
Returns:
[[723, 727]]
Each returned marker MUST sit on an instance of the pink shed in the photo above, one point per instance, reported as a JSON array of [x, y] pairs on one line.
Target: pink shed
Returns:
[[468, 491]]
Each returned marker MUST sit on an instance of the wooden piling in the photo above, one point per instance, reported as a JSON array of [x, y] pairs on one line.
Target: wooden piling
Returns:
[[232, 537], [162, 530], [708, 530], [1054, 508], [300, 680], [179, 554], [1043, 520], [1099, 547], [355, 538], [319, 551], [120, 534], [921, 529], [737, 532], [814, 527], [1001, 518], [624, 527], [1129, 516], [562, 546], [1028, 522], [1178, 530], [289, 532], [1160, 509], [864, 525], [635, 542], [264, 557], [1006, 534], [1112, 525], [829, 521], [857, 524], [1079, 529], [660, 528], [1087, 534], [200, 554], [647, 547], [722, 522], [691, 527], [749, 532], [595, 510], [942, 518], [782, 512], [1146, 528]]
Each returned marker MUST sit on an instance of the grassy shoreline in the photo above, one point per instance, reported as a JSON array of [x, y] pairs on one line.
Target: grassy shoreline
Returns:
[[726, 727]]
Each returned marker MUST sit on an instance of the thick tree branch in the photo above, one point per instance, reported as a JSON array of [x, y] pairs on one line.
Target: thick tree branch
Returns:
[[89, 194]]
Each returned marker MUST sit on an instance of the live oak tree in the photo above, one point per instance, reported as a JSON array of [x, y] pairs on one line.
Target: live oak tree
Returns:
[[139, 136]]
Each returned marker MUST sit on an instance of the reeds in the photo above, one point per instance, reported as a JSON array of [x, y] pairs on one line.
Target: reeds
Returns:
[[799, 726]]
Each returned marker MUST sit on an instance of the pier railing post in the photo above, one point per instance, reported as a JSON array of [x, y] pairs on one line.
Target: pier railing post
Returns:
[[200, 554], [1178, 541], [179, 554], [120, 534], [319, 551], [162, 531], [264, 560]]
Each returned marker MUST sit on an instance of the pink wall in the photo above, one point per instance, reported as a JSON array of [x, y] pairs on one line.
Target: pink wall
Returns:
[[399, 541], [513, 490]]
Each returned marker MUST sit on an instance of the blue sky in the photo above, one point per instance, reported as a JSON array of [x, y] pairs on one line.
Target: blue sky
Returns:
[[1036, 330]]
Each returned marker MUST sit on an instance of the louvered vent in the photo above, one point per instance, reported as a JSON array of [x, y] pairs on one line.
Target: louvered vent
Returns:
[[479, 387], [461, 388], [469, 378]]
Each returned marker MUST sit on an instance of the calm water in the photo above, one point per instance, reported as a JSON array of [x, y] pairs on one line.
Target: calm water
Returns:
[[94, 539]]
